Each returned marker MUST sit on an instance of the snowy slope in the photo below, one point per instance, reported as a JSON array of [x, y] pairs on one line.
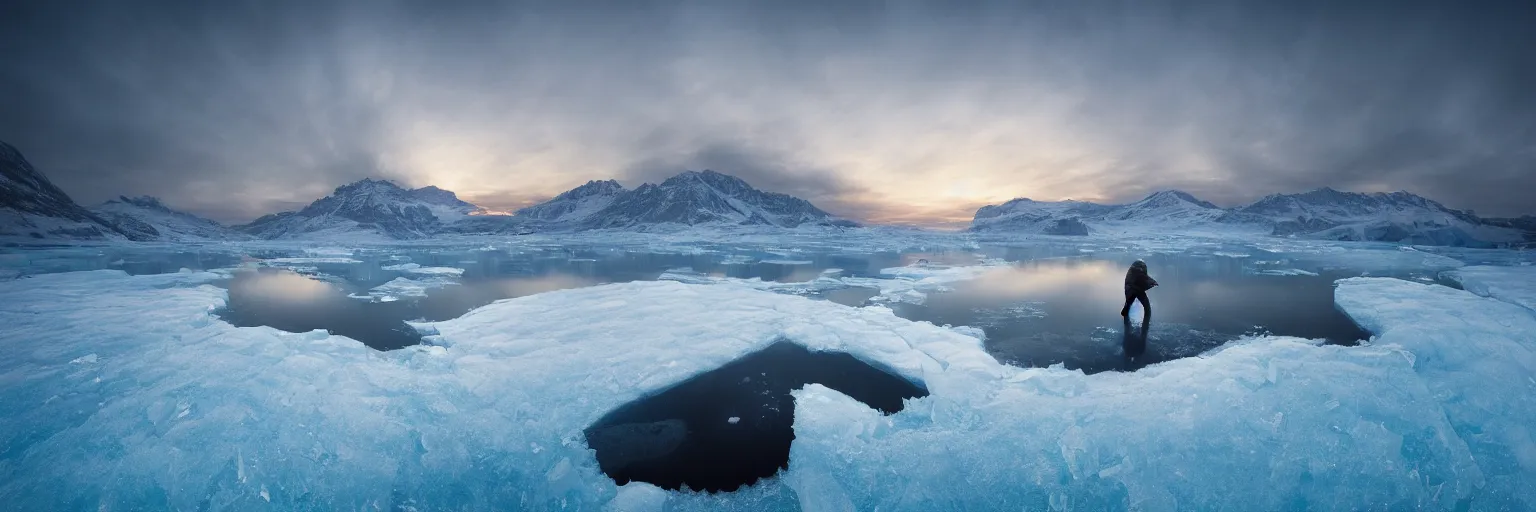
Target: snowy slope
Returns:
[[149, 219], [32, 206], [1323, 214], [1389, 217], [375, 208], [705, 197], [575, 204], [1169, 209]]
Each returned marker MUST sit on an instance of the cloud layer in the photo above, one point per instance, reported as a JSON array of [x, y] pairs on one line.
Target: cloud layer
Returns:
[[887, 111]]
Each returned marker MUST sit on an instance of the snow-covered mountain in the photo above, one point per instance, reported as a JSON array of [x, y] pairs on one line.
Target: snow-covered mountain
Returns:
[[1167, 209], [695, 198], [383, 209], [1402, 217], [575, 204], [368, 207], [31, 206], [146, 218], [1324, 213]]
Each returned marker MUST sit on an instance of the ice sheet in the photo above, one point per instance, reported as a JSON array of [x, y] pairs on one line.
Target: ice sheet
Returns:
[[1478, 357], [191, 412], [1515, 285], [127, 392]]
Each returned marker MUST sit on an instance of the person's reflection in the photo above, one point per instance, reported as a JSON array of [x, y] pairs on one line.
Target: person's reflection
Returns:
[[1135, 344]]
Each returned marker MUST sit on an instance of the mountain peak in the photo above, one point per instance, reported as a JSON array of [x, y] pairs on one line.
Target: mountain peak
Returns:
[[575, 203], [369, 184], [436, 195], [594, 187], [688, 198], [708, 177], [146, 218], [142, 201], [1179, 196]]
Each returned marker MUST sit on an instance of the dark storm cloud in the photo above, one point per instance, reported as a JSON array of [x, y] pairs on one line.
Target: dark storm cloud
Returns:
[[896, 111]]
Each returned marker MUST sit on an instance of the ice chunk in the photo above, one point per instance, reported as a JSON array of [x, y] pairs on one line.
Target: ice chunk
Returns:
[[404, 287], [1515, 285], [284, 262], [418, 270], [1286, 272], [788, 262], [1372, 260], [1477, 355], [639, 497]]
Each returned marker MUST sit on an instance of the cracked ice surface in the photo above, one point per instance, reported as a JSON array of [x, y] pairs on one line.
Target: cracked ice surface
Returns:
[[1515, 285], [1478, 356], [127, 392]]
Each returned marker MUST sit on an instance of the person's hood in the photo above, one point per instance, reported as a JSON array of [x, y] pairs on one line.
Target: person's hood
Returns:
[[1139, 264]]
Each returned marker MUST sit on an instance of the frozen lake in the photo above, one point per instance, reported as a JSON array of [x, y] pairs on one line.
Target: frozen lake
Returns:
[[1037, 310], [861, 373]]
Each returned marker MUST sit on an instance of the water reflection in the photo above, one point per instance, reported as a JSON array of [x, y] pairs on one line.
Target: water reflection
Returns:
[[1060, 308], [1066, 310], [294, 303], [452, 301], [1134, 344]]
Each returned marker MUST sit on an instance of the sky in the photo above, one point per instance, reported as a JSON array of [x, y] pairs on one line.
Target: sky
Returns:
[[886, 112]]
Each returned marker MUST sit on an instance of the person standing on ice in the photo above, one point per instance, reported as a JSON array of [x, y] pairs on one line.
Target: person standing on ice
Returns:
[[1137, 282]]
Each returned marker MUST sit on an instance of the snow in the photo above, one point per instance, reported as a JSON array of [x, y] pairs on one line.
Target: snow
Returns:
[[1515, 285], [128, 392], [21, 225]]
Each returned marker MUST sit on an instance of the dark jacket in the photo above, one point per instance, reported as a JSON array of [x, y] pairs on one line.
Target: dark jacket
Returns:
[[1137, 280]]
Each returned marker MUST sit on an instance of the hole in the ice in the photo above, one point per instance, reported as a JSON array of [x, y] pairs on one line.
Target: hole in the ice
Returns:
[[733, 425]]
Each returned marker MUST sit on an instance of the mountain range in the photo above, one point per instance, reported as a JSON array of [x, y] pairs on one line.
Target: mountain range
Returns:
[[31, 206], [380, 209], [1324, 213]]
